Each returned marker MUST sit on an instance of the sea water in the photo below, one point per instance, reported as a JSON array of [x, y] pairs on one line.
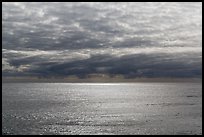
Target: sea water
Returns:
[[101, 108]]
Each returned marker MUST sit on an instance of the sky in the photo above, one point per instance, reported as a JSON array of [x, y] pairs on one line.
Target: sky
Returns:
[[78, 39]]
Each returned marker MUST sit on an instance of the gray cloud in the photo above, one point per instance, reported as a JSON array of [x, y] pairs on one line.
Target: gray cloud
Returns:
[[132, 39]]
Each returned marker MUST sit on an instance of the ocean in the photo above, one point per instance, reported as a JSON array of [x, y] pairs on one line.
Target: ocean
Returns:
[[101, 108]]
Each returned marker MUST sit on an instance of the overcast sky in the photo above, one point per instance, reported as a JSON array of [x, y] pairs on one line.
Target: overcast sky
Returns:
[[130, 39]]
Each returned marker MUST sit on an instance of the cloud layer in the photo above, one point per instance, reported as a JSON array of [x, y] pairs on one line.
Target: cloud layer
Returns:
[[130, 39]]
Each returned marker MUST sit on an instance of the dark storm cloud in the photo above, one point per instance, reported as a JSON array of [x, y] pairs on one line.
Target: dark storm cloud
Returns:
[[132, 39], [140, 65]]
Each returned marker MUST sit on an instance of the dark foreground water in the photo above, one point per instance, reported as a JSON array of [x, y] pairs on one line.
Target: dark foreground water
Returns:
[[142, 108]]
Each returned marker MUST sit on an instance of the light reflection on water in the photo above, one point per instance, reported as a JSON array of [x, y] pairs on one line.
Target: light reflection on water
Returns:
[[102, 108]]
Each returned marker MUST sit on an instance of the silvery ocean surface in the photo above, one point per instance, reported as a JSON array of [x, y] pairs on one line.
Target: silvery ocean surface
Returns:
[[86, 108]]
